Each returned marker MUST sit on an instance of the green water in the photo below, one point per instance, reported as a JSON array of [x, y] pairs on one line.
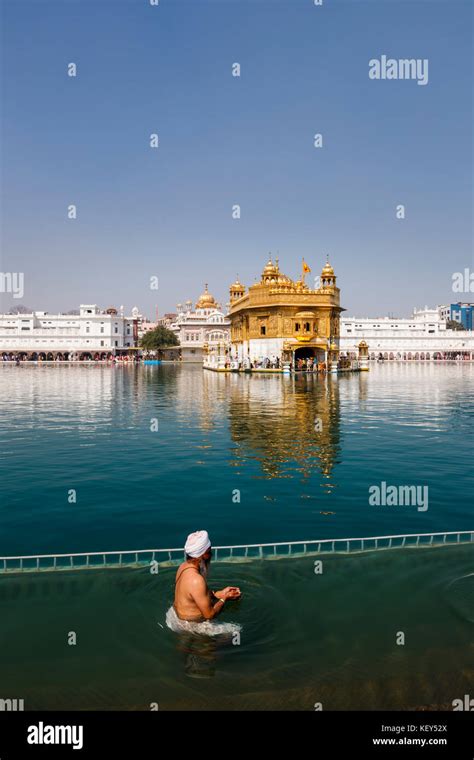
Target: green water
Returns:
[[306, 638]]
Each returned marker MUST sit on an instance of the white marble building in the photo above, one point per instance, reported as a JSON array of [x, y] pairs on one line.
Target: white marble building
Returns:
[[91, 331], [203, 328], [423, 336]]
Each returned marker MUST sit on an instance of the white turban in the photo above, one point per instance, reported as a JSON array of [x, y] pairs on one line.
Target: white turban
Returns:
[[197, 543]]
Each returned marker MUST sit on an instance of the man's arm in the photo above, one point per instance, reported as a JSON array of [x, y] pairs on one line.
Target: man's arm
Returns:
[[202, 599]]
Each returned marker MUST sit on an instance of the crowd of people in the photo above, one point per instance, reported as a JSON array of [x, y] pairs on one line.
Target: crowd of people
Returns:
[[310, 364], [301, 365], [273, 363], [305, 364], [17, 357]]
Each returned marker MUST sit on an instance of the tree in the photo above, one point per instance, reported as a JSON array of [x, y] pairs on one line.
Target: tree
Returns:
[[159, 338], [451, 324], [20, 309]]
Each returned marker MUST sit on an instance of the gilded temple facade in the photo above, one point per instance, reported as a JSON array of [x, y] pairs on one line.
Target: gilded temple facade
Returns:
[[282, 320]]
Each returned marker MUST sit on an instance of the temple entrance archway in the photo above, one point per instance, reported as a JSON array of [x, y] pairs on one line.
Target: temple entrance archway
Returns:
[[308, 352], [305, 352]]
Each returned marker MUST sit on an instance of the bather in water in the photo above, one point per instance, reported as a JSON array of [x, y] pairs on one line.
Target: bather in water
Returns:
[[195, 605]]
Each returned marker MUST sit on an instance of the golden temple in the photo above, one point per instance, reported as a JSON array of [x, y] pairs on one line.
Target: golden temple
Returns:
[[282, 320]]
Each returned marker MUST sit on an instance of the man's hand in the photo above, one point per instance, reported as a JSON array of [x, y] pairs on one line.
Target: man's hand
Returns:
[[229, 592]]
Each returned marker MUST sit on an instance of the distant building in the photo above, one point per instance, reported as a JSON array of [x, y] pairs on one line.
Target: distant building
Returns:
[[93, 331], [202, 328], [423, 336], [145, 325], [444, 312], [167, 320], [458, 312]]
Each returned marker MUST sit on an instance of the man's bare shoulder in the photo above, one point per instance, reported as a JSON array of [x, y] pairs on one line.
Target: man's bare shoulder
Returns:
[[193, 578], [196, 581]]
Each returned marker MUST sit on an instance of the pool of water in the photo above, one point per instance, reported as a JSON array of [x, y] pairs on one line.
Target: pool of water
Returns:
[[154, 452], [330, 638], [238, 455]]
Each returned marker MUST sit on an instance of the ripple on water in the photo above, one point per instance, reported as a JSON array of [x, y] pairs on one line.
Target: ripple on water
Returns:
[[304, 637], [460, 596]]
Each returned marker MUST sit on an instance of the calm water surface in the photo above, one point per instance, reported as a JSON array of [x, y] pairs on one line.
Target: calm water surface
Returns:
[[88, 428], [306, 637]]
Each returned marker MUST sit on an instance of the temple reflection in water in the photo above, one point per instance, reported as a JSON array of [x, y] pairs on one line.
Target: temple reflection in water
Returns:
[[287, 425], [290, 425]]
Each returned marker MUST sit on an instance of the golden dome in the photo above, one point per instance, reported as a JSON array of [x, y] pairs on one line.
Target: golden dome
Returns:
[[206, 300], [270, 268], [328, 271], [237, 285]]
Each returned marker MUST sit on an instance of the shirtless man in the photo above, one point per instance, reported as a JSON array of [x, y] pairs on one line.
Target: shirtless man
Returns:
[[192, 598]]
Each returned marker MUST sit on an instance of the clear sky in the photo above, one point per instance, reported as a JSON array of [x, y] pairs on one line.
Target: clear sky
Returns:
[[225, 140]]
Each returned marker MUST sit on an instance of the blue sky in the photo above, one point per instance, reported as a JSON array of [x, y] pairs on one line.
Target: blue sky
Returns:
[[227, 140]]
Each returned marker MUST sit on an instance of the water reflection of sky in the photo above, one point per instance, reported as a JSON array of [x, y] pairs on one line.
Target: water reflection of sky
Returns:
[[88, 428]]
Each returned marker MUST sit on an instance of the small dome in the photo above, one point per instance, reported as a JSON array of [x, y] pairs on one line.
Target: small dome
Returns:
[[237, 285], [270, 269], [328, 271], [206, 300]]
